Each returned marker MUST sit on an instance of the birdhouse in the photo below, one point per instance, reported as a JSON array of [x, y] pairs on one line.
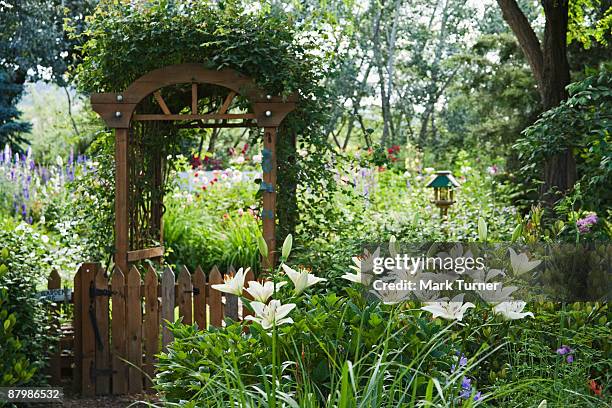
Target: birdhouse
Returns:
[[443, 184]]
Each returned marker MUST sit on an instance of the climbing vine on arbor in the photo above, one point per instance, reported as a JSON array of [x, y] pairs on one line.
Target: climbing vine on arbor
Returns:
[[124, 41]]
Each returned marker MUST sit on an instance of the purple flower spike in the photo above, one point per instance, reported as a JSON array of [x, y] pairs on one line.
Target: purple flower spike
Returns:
[[466, 383], [477, 396], [570, 359], [463, 361]]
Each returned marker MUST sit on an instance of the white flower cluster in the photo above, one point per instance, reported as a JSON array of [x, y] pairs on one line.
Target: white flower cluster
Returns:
[[269, 313], [450, 309]]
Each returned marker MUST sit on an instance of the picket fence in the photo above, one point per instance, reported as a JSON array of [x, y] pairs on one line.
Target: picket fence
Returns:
[[119, 324]]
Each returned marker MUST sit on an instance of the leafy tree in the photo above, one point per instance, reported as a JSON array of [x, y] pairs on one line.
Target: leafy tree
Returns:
[[550, 67], [33, 46], [11, 128], [582, 123]]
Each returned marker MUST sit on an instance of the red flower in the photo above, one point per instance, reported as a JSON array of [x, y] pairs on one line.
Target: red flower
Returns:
[[596, 388], [195, 162], [195, 175]]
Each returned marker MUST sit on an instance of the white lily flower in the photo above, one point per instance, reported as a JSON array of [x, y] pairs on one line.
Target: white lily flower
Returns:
[[262, 292], [483, 275], [450, 310], [521, 263], [301, 280], [499, 295], [234, 284], [363, 267], [272, 314], [512, 310], [391, 297], [365, 263], [353, 277]]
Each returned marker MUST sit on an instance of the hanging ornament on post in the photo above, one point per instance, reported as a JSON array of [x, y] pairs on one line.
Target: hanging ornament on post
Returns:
[[443, 184]]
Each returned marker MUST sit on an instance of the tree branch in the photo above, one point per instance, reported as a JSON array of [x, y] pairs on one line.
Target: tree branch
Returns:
[[527, 38]]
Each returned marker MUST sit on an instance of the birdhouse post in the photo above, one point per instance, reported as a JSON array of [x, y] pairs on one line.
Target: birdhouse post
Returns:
[[443, 184]]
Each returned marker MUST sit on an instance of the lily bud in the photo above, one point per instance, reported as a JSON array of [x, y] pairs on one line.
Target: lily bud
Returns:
[[263, 246], [287, 246]]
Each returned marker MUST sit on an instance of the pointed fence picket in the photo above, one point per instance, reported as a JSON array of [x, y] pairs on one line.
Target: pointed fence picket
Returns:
[[120, 322]]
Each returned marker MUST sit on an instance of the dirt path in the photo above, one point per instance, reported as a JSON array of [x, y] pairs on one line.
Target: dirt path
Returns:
[[123, 401]]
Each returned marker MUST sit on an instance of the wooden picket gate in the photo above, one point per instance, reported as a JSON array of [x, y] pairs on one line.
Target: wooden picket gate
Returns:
[[119, 323]]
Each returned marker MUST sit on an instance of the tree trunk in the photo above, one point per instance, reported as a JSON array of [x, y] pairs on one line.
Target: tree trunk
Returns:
[[560, 169], [551, 71]]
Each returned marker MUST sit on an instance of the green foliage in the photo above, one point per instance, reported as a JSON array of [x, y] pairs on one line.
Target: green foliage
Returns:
[[33, 46], [24, 319], [205, 230], [584, 124], [590, 21], [339, 350], [61, 121], [11, 128]]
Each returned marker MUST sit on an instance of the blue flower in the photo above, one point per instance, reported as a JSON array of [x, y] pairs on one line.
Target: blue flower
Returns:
[[563, 350]]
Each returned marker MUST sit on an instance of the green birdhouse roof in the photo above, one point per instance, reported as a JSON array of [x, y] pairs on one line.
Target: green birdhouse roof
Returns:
[[443, 179]]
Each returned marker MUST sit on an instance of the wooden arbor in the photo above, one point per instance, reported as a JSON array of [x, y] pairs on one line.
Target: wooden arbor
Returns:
[[122, 110]]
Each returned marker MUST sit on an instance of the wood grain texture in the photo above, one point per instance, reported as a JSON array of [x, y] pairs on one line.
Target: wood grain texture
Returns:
[[269, 199], [103, 381], [77, 323], [167, 304], [119, 330], [88, 340], [194, 99], [147, 253], [215, 303], [162, 103], [134, 331], [199, 298], [185, 291], [121, 199], [151, 323]]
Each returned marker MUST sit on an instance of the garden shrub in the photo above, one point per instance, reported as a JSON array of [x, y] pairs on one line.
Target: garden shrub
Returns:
[[582, 123], [25, 321], [212, 368]]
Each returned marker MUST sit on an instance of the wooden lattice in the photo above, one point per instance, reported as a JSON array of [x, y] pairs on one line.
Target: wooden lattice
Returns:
[[155, 106]]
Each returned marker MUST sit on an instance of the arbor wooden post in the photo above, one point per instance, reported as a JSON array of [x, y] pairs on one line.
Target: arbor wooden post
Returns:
[[269, 194], [118, 110], [121, 198]]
